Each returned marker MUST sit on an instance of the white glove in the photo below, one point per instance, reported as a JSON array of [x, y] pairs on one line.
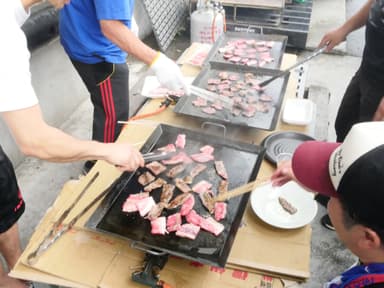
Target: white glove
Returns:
[[168, 73]]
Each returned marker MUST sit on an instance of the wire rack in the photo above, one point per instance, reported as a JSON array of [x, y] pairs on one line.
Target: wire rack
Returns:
[[167, 17]]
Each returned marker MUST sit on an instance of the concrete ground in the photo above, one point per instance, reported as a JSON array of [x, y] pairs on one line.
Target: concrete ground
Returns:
[[41, 181]]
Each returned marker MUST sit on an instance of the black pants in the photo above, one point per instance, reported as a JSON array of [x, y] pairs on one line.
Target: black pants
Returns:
[[12, 204], [359, 104], [108, 85]]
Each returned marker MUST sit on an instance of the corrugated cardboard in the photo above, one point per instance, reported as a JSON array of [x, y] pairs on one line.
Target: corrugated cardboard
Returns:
[[82, 258]]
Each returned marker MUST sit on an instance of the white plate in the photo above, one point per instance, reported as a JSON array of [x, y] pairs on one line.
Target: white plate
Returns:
[[298, 111], [265, 203]]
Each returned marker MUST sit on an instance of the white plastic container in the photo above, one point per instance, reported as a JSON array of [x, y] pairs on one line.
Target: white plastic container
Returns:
[[207, 24], [298, 111]]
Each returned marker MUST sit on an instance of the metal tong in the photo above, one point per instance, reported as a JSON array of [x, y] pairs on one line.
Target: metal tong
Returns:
[[211, 96], [286, 71], [58, 228]]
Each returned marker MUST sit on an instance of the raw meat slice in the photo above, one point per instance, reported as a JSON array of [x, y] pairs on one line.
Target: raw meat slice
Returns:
[[220, 210], [187, 205], [146, 178], [178, 200], [217, 105], [209, 110], [223, 75], [159, 182], [213, 81], [233, 77], [145, 205], [173, 222], [252, 62], [262, 107], [168, 148], [211, 225], [174, 171], [207, 201], [208, 149], [167, 193], [180, 157], [235, 59], [202, 186], [194, 218], [265, 98], [159, 226], [202, 157], [156, 211], [180, 141], [182, 186], [220, 169], [130, 203], [199, 102], [189, 231], [156, 167]]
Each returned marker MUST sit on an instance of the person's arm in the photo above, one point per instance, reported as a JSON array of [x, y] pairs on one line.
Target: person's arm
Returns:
[[335, 37], [56, 3], [166, 70], [36, 138]]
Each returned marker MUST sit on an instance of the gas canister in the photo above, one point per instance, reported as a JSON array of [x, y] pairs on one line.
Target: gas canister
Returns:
[[207, 21]]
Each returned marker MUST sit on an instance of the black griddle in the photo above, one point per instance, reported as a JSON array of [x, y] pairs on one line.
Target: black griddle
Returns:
[[242, 161], [277, 51], [265, 121]]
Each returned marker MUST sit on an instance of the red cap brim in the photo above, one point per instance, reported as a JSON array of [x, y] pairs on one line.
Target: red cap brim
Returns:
[[311, 168]]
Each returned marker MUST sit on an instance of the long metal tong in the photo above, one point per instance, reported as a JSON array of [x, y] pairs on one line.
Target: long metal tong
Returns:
[[211, 96], [286, 71], [58, 229]]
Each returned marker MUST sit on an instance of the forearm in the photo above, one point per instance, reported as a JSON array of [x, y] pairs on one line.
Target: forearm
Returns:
[[123, 37], [358, 20], [36, 138]]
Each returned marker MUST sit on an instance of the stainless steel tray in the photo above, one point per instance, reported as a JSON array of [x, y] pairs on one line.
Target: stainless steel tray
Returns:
[[277, 51], [265, 121]]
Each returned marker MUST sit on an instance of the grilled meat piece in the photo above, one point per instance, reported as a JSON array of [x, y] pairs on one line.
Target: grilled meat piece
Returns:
[[159, 182], [208, 202], [174, 171], [156, 167], [167, 193], [287, 206], [202, 157], [178, 200], [211, 225], [220, 169], [202, 186], [180, 141], [223, 186], [156, 211], [182, 186], [146, 178]]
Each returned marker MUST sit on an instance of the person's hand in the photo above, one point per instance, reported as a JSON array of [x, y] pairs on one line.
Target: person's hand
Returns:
[[124, 157], [58, 4], [168, 73], [379, 114], [333, 38], [282, 174]]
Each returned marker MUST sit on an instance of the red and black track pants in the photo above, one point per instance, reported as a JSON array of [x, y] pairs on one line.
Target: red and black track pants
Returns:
[[108, 85], [12, 205]]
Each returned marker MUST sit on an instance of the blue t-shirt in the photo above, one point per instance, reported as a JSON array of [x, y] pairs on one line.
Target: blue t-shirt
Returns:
[[80, 30]]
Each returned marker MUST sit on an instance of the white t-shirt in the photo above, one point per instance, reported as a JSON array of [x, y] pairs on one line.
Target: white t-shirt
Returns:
[[16, 91]]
